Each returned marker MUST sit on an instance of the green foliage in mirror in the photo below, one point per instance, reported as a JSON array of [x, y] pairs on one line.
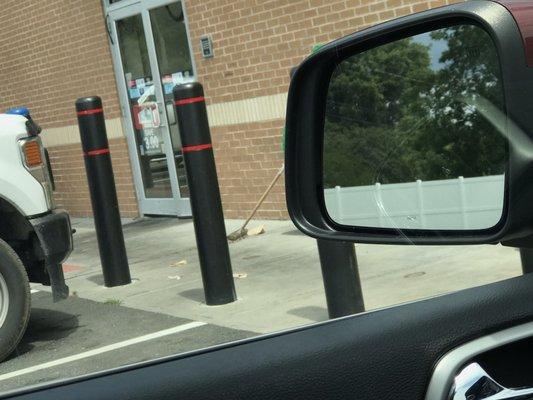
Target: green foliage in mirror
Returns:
[[400, 112]]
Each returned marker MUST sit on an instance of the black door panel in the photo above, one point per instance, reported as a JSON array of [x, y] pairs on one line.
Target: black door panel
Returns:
[[387, 354]]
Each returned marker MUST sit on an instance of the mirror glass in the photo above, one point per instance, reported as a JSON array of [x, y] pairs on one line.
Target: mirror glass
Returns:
[[408, 139]]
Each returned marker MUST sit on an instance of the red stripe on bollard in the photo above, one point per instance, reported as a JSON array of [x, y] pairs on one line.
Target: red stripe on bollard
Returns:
[[96, 152], [199, 147], [189, 100], [90, 112]]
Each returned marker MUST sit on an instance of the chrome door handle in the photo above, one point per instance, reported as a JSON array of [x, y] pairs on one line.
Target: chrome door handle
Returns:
[[474, 383]]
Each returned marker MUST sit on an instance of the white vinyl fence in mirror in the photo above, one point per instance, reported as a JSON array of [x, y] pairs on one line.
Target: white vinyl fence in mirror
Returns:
[[469, 203]]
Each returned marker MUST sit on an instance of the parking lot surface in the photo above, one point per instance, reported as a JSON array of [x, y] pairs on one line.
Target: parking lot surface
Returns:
[[78, 336], [278, 281]]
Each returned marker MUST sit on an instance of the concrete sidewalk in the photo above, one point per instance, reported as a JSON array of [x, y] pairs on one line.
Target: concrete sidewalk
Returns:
[[279, 281]]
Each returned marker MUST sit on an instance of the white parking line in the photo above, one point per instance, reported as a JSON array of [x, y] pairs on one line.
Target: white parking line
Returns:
[[105, 349]]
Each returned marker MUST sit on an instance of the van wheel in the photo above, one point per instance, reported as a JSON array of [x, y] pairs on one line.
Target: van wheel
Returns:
[[14, 300]]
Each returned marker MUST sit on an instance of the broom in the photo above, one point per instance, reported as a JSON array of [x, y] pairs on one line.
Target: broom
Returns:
[[242, 231]]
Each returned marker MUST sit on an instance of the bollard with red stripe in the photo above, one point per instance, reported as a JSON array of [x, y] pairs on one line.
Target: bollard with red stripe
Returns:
[[103, 191], [206, 205]]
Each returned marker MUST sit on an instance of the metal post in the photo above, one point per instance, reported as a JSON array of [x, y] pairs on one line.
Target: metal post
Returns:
[[147, 176], [103, 192], [206, 204], [340, 273], [526, 257]]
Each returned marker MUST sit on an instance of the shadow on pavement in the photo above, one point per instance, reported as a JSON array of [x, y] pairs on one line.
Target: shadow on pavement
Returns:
[[46, 325], [194, 295], [311, 312], [294, 232], [97, 279]]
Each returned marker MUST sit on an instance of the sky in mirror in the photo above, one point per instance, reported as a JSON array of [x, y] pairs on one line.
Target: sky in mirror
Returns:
[[436, 48]]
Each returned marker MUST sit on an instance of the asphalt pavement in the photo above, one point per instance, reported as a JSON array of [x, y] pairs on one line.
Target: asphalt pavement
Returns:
[[77, 337]]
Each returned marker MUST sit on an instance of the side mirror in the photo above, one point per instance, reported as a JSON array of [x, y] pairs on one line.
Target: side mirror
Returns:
[[416, 131]]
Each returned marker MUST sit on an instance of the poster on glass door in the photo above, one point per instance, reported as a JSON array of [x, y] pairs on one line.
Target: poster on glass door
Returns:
[[146, 115], [147, 121], [152, 141]]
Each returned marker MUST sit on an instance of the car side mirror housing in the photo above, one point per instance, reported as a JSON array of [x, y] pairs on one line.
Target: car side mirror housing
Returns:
[[416, 131]]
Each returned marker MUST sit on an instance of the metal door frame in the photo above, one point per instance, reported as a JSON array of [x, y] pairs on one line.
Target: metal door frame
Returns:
[[176, 205]]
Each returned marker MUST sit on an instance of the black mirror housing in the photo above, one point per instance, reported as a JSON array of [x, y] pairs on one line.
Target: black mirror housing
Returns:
[[306, 117]]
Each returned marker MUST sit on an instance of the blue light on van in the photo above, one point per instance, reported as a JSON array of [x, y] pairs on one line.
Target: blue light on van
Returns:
[[19, 111]]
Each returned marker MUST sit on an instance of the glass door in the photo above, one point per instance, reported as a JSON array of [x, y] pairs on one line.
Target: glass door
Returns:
[[175, 66], [152, 54]]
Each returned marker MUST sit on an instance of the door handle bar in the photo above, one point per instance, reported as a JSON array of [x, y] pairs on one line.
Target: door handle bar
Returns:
[[474, 383]]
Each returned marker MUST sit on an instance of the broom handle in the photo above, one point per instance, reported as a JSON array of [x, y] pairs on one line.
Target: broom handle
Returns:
[[263, 197]]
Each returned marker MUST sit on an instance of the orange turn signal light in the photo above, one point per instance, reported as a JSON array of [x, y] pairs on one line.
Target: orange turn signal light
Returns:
[[32, 153]]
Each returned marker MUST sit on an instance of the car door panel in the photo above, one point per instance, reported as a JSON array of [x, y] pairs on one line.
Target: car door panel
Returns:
[[386, 354]]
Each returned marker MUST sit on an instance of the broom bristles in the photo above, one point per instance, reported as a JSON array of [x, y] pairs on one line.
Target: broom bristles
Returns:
[[238, 234]]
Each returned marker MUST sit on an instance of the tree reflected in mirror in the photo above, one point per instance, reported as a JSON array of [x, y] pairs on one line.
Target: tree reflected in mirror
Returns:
[[401, 113]]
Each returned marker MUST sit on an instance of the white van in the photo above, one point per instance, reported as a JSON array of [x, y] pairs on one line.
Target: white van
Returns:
[[35, 237]]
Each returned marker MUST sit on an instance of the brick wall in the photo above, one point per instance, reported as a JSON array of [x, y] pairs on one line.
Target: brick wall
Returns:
[[248, 156], [72, 192], [49, 59], [53, 52], [257, 42]]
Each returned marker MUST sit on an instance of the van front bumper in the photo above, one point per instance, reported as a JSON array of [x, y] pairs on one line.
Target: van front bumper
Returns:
[[55, 236], [54, 233]]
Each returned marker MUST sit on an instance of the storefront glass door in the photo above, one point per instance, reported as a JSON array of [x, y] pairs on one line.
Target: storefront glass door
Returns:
[[152, 54]]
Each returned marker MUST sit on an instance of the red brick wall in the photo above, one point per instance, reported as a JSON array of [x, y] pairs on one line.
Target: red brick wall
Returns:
[[49, 59], [53, 52], [256, 43], [72, 192], [248, 156]]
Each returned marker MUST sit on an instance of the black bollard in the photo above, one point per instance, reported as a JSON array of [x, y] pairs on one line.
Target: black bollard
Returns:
[[206, 205], [340, 273], [103, 192], [526, 258]]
